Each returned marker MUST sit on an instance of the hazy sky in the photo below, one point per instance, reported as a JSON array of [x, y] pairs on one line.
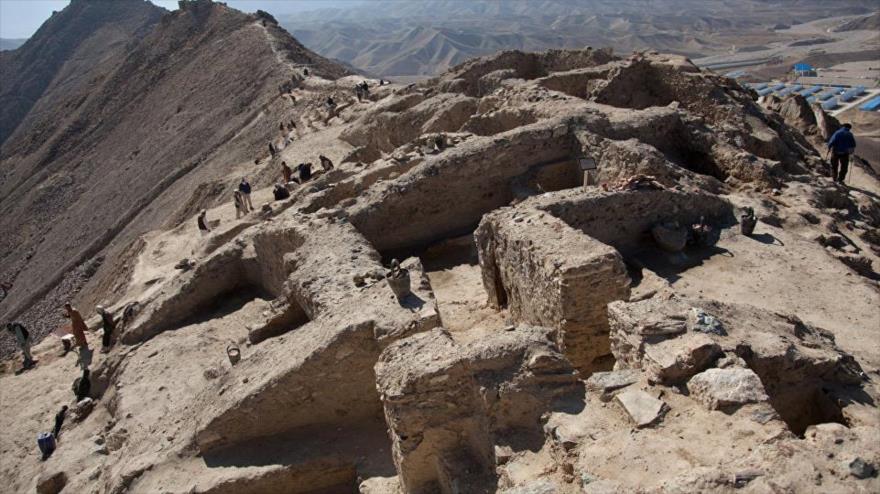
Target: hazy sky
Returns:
[[20, 18]]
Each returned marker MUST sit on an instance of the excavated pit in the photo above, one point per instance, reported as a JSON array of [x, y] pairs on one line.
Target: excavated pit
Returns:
[[803, 406], [498, 121], [800, 403], [448, 194], [689, 153], [557, 259], [807, 380]]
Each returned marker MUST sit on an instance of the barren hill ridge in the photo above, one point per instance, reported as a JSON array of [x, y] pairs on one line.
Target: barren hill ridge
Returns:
[[127, 126]]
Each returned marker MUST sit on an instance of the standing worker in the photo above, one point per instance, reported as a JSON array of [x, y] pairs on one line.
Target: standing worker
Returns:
[[238, 202], [286, 172], [109, 326], [77, 326], [840, 146], [24, 342], [245, 188], [59, 421]]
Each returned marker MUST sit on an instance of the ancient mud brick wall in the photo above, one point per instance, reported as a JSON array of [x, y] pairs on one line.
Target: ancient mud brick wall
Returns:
[[624, 219], [546, 273], [449, 193], [445, 402], [432, 408], [319, 375]]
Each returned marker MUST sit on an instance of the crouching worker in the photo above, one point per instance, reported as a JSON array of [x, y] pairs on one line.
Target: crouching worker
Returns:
[[23, 338], [280, 192], [82, 386]]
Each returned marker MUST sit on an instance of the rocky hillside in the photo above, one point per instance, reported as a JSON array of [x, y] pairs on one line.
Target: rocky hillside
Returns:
[[66, 51], [114, 126]]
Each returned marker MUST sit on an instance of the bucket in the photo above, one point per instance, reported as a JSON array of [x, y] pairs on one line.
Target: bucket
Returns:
[[747, 224], [670, 237], [46, 443], [233, 352], [399, 283]]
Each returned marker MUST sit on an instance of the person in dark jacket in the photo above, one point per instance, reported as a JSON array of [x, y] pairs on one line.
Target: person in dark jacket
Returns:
[[24, 342], [203, 222], [109, 325], [326, 164], [280, 192], [82, 386], [59, 421], [840, 146], [305, 172], [245, 188]]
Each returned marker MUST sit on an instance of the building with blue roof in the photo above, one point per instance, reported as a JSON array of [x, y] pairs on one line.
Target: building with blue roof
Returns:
[[872, 104]]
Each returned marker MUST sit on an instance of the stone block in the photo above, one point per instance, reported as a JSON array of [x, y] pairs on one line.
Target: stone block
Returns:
[[727, 388], [643, 409]]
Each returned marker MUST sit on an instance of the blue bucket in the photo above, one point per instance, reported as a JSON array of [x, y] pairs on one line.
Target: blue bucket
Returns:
[[46, 442]]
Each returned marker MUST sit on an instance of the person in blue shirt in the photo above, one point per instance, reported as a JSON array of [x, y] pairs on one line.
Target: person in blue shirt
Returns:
[[245, 188], [840, 146]]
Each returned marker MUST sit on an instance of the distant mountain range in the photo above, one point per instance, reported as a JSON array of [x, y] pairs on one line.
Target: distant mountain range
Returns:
[[411, 38], [11, 43]]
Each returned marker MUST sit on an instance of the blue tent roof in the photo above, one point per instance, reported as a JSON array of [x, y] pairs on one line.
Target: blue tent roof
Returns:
[[803, 67]]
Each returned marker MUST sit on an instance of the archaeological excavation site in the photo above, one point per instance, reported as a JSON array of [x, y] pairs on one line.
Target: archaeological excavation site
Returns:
[[567, 272]]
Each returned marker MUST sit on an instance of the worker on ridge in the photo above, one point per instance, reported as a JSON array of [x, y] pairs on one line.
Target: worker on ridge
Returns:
[[280, 192], [840, 146], [59, 421], [286, 172], [238, 202], [82, 386], [24, 342], [305, 172], [77, 325], [326, 164], [245, 188], [109, 325], [202, 221]]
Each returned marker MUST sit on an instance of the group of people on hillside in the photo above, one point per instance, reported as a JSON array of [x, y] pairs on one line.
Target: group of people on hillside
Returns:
[[362, 91], [77, 337], [241, 197], [78, 330]]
